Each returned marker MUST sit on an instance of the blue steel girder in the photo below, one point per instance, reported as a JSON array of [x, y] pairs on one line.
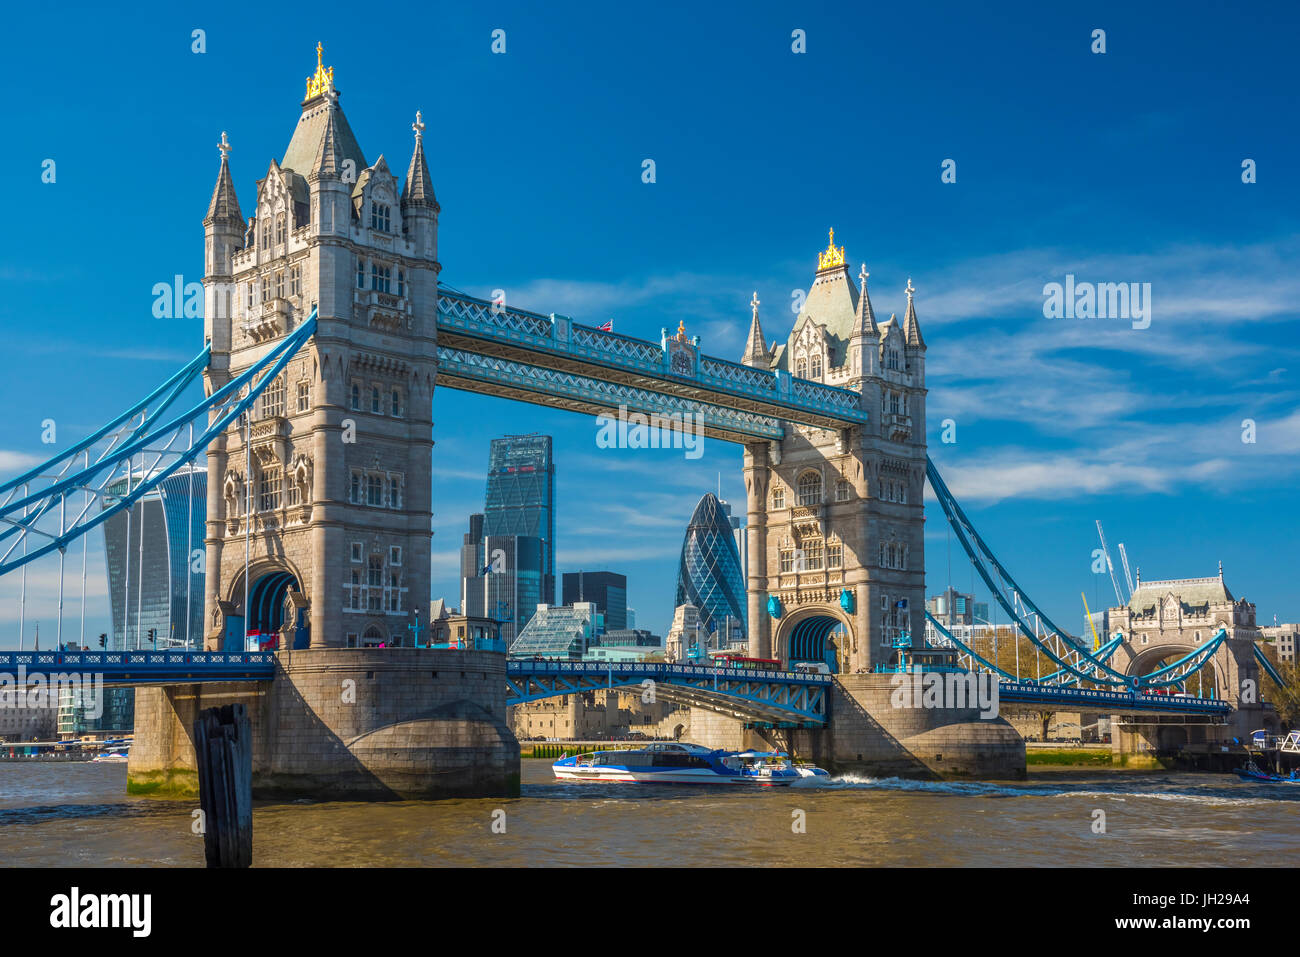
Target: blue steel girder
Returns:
[[67, 492], [513, 379], [1106, 700], [133, 668], [674, 367], [738, 692]]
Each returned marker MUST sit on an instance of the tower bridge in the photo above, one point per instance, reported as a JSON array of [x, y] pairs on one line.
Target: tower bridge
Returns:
[[327, 329]]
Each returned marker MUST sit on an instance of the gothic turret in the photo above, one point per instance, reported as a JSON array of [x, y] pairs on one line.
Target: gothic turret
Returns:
[[756, 351], [911, 328], [419, 206], [223, 236], [865, 338]]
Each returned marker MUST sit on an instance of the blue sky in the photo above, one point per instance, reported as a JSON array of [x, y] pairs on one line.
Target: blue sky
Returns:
[[1115, 167]]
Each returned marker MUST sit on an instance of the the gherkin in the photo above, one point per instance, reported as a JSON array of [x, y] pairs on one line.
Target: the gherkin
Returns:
[[709, 575]]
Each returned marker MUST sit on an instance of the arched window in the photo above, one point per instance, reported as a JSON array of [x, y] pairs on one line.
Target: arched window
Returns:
[[778, 498], [356, 397], [810, 488], [279, 229], [801, 368], [397, 403], [373, 637], [375, 405], [816, 366], [842, 491]]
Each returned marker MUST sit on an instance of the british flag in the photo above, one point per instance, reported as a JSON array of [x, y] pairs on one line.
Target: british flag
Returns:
[[606, 326]]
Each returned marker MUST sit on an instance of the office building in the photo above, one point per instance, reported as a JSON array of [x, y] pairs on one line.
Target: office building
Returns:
[[520, 498], [709, 573], [607, 590]]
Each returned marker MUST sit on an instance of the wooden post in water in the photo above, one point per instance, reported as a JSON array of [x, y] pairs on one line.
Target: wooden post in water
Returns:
[[223, 746]]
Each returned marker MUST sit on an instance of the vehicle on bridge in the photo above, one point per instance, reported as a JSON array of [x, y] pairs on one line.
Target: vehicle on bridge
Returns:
[[671, 763]]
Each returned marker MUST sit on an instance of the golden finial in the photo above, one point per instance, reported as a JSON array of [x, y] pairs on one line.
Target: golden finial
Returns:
[[832, 257], [323, 80], [681, 330]]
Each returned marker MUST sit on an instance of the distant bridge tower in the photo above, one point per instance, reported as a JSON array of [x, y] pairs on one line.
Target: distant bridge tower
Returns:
[[333, 489], [836, 519]]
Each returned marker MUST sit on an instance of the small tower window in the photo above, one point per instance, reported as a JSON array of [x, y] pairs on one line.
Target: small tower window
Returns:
[[778, 497], [279, 229], [356, 397], [361, 273], [380, 217], [841, 491], [395, 492], [396, 403], [295, 281], [380, 277], [375, 406], [401, 283], [279, 284], [816, 367], [801, 368], [304, 397]]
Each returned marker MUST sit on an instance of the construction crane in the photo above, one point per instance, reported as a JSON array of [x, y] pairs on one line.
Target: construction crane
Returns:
[[1128, 575], [1110, 567]]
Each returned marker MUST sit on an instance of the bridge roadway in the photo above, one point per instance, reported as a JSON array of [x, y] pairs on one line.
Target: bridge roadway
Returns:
[[781, 698]]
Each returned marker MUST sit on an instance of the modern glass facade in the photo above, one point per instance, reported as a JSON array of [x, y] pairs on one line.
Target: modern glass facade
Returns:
[[709, 575], [607, 589], [155, 583], [154, 580], [563, 632], [521, 497], [510, 589]]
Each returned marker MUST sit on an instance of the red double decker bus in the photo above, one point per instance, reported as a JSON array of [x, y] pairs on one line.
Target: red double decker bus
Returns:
[[729, 659]]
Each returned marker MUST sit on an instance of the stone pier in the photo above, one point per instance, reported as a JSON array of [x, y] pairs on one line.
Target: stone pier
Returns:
[[868, 734], [346, 724]]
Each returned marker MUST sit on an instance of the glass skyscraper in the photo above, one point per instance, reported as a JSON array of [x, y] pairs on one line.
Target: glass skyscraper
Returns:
[[521, 498], [607, 589], [709, 575], [153, 554]]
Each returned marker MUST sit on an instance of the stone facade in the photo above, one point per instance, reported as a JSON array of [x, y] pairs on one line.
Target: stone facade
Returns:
[[836, 519], [392, 723], [330, 480]]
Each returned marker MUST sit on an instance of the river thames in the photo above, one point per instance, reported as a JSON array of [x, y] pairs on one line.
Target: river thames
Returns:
[[78, 814]]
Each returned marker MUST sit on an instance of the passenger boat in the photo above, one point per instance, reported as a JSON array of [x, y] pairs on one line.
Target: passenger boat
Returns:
[[110, 758], [673, 763], [1252, 772]]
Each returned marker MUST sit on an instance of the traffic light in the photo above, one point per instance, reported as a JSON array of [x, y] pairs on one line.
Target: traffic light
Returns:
[[153, 635], [103, 640]]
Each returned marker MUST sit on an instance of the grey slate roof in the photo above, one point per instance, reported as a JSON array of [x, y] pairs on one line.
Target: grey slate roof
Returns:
[[418, 189], [305, 144], [224, 206]]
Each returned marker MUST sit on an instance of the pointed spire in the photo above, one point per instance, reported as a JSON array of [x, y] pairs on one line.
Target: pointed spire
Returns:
[[418, 190], [756, 352], [224, 206], [865, 327], [912, 328], [329, 160]]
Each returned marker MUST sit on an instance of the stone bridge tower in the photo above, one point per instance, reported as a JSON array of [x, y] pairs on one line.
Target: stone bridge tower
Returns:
[[328, 484], [836, 519]]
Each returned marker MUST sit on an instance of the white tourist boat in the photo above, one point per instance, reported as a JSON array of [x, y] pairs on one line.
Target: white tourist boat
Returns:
[[675, 763]]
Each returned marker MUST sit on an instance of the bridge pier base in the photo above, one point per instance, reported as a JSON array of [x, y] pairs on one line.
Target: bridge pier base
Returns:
[[869, 735], [345, 724]]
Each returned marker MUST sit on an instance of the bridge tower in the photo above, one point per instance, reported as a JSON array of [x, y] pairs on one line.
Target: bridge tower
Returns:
[[836, 518], [328, 485]]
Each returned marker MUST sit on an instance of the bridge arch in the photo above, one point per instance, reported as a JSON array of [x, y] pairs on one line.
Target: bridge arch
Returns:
[[269, 607], [815, 633]]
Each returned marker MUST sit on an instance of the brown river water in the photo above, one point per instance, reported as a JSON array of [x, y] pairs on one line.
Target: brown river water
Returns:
[[78, 814]]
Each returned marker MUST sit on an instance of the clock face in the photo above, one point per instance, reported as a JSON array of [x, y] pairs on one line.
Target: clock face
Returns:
[[681, 363]]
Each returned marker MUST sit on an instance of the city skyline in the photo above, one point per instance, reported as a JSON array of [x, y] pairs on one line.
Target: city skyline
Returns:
[[1058, 422]]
